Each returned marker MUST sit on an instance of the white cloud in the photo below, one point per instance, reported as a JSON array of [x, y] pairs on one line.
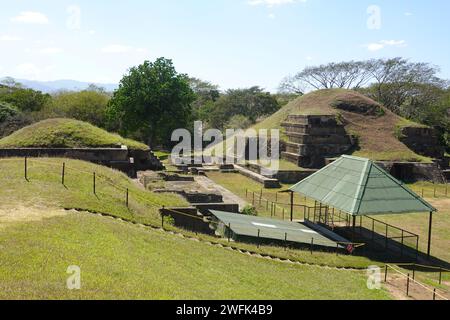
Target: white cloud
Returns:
[[74, 19], [51, 50], [91, 32], [376, 46], [118, 48], [408, 14], [309, 58], [272, 16], [9, 38], [31, 17], [272, 3]]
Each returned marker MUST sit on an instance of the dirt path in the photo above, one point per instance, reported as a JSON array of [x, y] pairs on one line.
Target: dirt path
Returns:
[[228, 196], [11, 215]]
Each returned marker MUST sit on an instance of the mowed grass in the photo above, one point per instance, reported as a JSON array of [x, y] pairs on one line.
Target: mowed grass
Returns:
[[44, 188], [123, 261], [66, 133]]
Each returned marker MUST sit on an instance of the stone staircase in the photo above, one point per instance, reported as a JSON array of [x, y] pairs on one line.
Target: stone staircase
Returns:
[[312, 139]]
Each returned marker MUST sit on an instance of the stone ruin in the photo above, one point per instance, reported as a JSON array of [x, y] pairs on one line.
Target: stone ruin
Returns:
[[312, 139]]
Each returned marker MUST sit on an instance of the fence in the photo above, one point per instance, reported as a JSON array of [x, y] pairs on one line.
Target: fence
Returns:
[[165, 221], [409, 284], [435, 191], [383, 235]]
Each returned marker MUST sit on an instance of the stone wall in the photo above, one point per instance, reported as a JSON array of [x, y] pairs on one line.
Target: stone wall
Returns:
[[189, 219], [128, 161], [314, 138], [423, 141], [413, 171]]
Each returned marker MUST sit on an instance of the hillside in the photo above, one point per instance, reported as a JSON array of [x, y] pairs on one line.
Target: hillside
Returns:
[[375, 127], [66, 133], [122, 260]]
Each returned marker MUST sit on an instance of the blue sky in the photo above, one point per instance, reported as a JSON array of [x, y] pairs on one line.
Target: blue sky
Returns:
[[233, 43]]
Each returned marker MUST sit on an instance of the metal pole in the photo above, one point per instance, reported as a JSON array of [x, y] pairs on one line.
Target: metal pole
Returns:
[[292, 206], [440, 275], [407, 286], [434, 295], [26, 168], [229, 232], [354, 229], [430, 227], [387, 234], [386, 273], [285, 241], [94, 183], [312, 245], [259, 233], [127, 197], [63, 173]]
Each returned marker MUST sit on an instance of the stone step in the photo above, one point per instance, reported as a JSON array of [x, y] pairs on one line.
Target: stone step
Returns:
[[302, 138], [324, 150], [268, 183]]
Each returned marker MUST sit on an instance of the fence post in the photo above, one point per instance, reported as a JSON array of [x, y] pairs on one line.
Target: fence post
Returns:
[[407, 286], [434, 294], [403, 243], [127, 197], [414, 273], [312, 245], [337, 249], [387, 234], [229, 232], [259, 233], [162, 218], [440, 275], [26, 168], [94, 189], [285, 241], [246, 193], [63, 175], [253, 202], [385, 273], [260, 198]]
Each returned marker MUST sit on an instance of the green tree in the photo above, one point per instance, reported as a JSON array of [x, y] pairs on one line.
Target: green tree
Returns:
[[152, 101], [88, 105], [26, 100], [251, 103]]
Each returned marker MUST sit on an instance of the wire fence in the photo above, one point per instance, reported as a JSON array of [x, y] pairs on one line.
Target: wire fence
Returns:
[[383, 235], [433, 191], [413, 288], [187, 221], [279, 210]]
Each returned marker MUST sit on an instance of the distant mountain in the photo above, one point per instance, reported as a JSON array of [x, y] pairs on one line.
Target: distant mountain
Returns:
[[53, 86]]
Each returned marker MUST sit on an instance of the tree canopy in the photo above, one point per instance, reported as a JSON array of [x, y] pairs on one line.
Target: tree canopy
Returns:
[[152, 100]]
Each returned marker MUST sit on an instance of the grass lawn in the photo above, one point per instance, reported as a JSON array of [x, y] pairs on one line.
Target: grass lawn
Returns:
[[66, 133], [122, 261], [44, 189]]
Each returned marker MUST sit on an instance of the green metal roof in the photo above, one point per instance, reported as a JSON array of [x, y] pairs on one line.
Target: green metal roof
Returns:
[[359, 187]]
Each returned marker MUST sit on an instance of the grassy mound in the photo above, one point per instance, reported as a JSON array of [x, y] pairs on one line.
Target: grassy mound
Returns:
[[375, 127], [66, 133]]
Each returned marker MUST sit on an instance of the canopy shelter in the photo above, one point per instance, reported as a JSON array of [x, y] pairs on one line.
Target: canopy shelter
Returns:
[[360, 187]]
